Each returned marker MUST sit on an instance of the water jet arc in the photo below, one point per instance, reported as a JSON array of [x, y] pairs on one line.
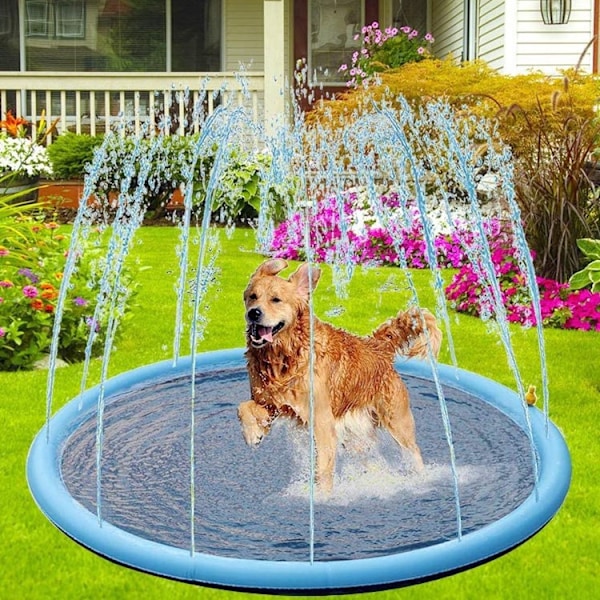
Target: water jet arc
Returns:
[[296, 576]]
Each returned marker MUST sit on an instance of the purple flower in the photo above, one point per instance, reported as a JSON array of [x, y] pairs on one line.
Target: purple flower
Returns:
[[2, 332], [92, 324], [79, 301], [29, 274]]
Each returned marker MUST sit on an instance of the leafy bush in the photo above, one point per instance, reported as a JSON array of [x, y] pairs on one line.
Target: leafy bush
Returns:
[[471, 86], [70, 153], [29, 294], [590, 275], [167, 162], [14, 232]]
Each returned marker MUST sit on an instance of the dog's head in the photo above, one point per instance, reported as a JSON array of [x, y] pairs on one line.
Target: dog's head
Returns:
[[273, 303]]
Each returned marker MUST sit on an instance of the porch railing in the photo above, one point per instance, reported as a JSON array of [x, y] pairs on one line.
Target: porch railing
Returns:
[[96, 103]]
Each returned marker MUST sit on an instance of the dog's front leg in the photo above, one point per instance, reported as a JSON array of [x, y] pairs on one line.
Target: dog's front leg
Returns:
[[256, 421]]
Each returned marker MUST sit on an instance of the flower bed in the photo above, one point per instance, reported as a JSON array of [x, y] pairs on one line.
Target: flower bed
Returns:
[[349, 231], [30, 278]]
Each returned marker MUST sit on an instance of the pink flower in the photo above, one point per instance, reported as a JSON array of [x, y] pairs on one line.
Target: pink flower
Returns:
[[30, 291]]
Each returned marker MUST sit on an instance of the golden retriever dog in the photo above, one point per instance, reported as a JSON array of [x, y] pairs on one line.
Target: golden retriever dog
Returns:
[[354, 382]]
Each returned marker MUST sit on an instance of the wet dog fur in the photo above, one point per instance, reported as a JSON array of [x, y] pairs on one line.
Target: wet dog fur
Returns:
[[355, 384]]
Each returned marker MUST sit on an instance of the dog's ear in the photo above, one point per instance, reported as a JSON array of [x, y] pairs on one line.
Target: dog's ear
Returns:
[[271, 267], [305, 277]]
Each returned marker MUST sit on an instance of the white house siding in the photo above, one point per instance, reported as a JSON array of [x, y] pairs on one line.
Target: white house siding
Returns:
[[550, 48], [490, 34], [447, 22], [243, 35]]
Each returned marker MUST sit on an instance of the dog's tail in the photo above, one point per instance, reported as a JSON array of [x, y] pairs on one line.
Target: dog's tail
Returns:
[[413, 333]]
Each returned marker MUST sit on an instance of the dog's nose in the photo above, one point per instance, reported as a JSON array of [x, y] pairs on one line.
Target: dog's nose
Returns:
[[254, 315]]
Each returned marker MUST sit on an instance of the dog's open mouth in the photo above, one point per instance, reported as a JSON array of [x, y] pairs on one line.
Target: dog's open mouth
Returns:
[[261, 335]]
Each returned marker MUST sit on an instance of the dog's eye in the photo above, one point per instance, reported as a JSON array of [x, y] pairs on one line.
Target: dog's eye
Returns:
[[252, 296], [275, 299]]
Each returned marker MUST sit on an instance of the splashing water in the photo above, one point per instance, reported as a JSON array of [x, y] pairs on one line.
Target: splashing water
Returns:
[[414, 153]]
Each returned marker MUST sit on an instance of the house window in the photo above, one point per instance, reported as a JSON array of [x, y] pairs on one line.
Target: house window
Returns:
[[70, 19], [6, 18], [9, 36], [38, 18], [410, 12], [196, 35], [112, 35], [333, 25], [61, 19]]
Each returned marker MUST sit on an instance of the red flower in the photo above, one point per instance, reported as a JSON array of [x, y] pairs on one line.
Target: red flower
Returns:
[[13, 125]]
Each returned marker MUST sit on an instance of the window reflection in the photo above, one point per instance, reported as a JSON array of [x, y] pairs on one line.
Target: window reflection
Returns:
[[333, 27]]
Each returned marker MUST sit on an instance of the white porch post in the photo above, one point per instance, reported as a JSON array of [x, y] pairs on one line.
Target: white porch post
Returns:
[[274, 46]]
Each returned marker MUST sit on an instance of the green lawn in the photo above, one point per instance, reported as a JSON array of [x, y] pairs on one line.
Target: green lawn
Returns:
[[563, 561]]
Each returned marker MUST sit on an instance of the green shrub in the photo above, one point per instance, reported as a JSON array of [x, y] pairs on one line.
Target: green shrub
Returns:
[[472, 86], [590, 275], [167, 162], [13, 231], [70, 153]]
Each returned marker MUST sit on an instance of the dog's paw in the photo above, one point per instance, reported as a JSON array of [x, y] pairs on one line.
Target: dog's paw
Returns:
[[255, 422], [252, 435]]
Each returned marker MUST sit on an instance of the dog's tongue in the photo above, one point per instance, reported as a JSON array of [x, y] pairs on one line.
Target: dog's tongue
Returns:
[[265, 333]]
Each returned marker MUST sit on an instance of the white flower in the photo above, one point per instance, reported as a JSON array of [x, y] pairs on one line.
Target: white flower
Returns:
[[24, 157]]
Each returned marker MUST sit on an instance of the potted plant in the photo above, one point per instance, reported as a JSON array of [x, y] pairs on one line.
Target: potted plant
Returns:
[[23, 157]]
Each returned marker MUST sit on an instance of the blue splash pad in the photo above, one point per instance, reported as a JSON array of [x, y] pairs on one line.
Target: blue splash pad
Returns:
[[232, 551]]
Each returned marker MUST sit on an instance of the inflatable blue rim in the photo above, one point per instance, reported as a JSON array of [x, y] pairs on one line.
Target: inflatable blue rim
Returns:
[[294, 577]]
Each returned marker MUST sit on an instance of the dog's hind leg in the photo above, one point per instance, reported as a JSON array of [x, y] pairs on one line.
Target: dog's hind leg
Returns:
[[399, 421], [326, 445]]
